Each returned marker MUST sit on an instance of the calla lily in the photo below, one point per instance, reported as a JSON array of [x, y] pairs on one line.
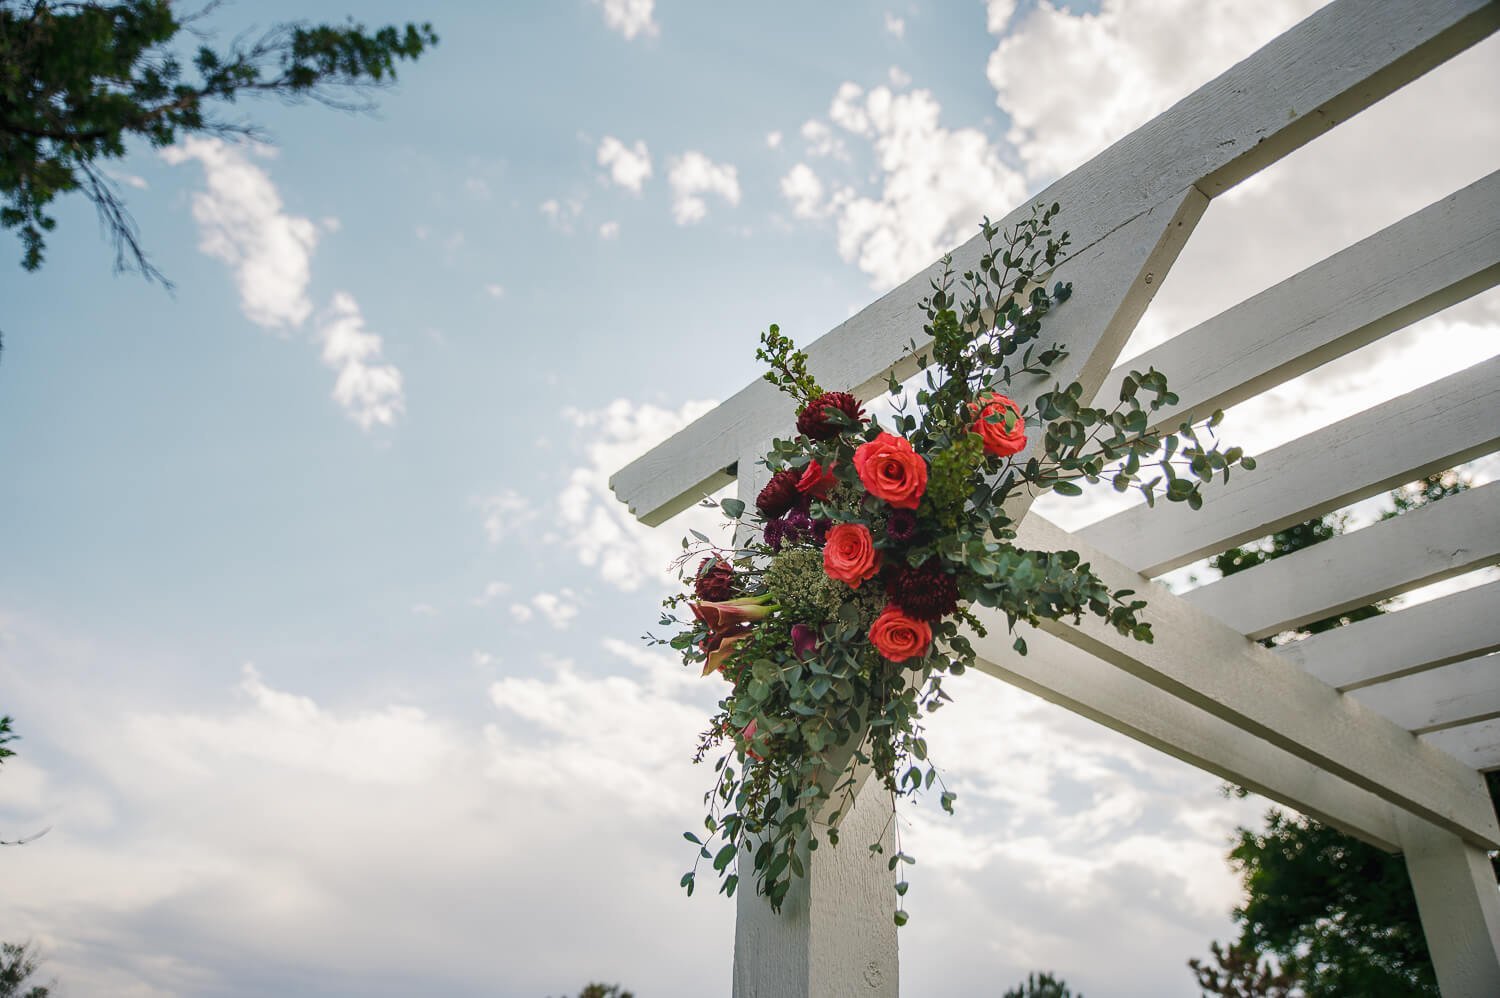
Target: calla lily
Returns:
[[745, 610], [718, 656], [748, 734]]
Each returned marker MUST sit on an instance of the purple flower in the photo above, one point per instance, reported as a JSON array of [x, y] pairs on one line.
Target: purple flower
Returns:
[[798, 525], [775, 532], [901, 526], [804, 640], [820, 530]]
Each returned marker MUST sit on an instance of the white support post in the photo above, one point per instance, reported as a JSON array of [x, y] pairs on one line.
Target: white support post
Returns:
[[835, 935], [1460, 908]]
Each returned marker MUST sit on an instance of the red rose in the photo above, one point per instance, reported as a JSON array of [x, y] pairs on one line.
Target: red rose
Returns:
[[892, 471], [899, 637], [849, 555], [815, 481], [990, 425]]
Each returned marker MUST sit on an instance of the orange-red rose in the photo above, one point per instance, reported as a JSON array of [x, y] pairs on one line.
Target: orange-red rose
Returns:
[[849, 554], [892, 471], [815, 481], [899, 637], [998, 440]]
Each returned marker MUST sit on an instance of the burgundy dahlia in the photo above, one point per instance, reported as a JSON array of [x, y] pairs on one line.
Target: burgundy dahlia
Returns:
[[926, 592], [813, 422], [902, 525], [820, 529], [714, 581], [779, 495], [774, 533]]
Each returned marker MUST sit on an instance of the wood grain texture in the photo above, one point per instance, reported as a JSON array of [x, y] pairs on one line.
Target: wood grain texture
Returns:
[[1428, 429], [1212, 666], [1476, 745], [1424, 263], [1433, 634], [1071, 677], [1339, 61], [1459, 907], [1387, 558], [1461, 693]]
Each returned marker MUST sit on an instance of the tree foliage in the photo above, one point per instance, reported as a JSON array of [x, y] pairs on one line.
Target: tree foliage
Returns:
[[1041, 985], [79, 80], [1333, 915], [17, 963]]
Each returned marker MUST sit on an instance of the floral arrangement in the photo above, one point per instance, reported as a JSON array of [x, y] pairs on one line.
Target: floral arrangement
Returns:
[[846, 598]]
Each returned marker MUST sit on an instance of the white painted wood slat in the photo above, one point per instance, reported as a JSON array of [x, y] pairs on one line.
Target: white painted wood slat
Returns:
[[1070, 677], [1217, 669], [1433, 634], [1386, 558], [1462, 693], [1342, 59], [1476, 745], [1428, 429], [1424, 263]]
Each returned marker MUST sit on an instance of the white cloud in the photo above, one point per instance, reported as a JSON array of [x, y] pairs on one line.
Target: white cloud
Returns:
[[601, 532], [492, 590], [1122, 66], [693, 175], [558, 609], [561, 214], [424, 609], [997, 15], [495, 290], [242, 223], [609, 230], [821, 142], [900, 78], [630, 17], [935, 183], [629, 166], [477, 188], [895, 26], [369, 391], [773, 140], [504, 513], [804, 190]]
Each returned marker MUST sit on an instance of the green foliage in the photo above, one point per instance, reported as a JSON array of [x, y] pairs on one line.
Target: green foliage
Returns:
[[604, 991], [78, 80], [1239, 972], [1041, 985], [5, 736], [1338, 915], [798, 726], [17, 963]]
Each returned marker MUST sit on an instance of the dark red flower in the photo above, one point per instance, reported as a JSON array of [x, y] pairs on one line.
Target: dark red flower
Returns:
[[780, 494], [714, 580], [901, 526], [926, 592], [813, 422]]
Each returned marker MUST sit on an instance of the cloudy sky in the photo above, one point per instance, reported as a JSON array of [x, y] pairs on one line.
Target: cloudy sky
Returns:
[[317, 618]]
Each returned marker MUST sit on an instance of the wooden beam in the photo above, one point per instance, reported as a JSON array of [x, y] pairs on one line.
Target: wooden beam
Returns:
[[1425, 545], [1426, 430], [1476, 745], [1459, 907], [1339, 61], [1456, 627], [1424, 263], [1070, 677], [1462, 693], [1212, 666]]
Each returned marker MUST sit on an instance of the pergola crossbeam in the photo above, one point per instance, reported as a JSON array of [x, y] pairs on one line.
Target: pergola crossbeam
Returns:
[[1216, 668], [1424, 431], [1423, 637], [1422, 264], [1423, 546], [1458, 694]]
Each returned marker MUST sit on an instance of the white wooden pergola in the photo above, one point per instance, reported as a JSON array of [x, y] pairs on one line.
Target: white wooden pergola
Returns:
[[1381, 728]]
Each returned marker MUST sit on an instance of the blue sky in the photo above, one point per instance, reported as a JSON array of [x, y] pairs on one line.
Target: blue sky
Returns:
[[331, 694]]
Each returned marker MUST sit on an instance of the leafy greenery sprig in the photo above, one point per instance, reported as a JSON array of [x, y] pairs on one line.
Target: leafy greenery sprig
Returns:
[[821, 693]]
